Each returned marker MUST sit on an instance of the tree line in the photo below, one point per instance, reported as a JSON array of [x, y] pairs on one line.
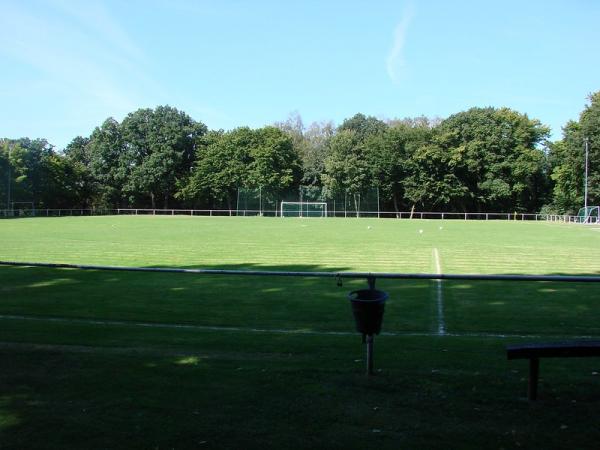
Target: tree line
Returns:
[[479, 160]]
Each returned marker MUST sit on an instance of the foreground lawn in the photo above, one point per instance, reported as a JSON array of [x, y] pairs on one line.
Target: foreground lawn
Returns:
[[131, 388]]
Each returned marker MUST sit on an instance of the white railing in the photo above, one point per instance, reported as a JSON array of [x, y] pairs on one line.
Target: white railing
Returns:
[[54, 212]]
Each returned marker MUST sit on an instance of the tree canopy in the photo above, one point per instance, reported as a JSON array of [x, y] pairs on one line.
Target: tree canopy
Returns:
[[567, 161], [482, 159]]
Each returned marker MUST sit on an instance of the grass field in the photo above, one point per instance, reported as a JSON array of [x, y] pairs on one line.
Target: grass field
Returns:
[[96, 359]]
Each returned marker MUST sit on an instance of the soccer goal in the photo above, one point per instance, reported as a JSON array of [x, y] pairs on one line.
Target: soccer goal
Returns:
[[23, 209], [303, 209], [589, 215]]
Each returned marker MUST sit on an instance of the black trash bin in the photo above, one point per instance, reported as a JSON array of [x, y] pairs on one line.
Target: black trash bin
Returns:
[[368, 306]]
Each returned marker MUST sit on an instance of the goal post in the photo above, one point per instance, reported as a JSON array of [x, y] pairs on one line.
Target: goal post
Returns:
[[22, 209], [589, 215], [303, 209]]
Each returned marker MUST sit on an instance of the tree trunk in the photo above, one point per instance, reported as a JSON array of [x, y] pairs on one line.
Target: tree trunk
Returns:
[[152, 200]]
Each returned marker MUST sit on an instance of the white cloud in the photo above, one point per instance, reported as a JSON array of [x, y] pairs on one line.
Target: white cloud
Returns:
[[395, 59]]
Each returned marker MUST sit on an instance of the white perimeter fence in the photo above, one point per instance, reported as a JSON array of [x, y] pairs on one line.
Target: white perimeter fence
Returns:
[[15, 213]]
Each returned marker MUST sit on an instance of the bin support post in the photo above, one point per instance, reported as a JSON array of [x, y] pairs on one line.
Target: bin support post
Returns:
[[370, 354], [371, 281], [534, 370]]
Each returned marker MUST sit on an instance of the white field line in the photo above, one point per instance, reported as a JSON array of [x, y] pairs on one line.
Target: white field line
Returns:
[[67, 320], [439, 296]]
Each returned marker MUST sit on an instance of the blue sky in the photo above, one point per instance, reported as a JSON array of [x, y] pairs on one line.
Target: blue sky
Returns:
[[68, 65]]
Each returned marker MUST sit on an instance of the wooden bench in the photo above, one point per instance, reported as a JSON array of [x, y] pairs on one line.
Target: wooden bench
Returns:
[[533, 352]]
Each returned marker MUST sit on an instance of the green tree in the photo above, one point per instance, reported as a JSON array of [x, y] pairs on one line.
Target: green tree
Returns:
[[275, 163], [29, 176], [221, 163], [347, 168], [310, 144], [111, 164], [315, 152], [161, 146], [263, 158], [77, 153], [12, 170], [494, 154], [363, 126], [432, 184], [348, 165], [567, 160], [391, 155], [37, 174]]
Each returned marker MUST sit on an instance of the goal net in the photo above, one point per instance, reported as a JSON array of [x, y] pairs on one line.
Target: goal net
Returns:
[[303, 209], [591, 214], [22, 209]]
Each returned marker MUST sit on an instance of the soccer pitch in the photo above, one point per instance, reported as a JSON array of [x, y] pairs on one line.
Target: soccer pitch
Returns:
[[372, 245], [120, 359]]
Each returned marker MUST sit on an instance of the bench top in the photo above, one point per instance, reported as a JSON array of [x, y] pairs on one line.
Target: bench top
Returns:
[[554, 349]]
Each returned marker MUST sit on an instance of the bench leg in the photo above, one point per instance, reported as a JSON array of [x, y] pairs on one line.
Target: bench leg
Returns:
[[534, 371]]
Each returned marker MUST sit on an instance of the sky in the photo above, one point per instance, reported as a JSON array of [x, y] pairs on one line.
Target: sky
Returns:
[[66, 66]]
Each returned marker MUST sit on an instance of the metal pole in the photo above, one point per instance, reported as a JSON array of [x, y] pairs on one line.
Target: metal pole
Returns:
[[585, 187], [345, 204], [337, 275], [370, 354], [8, 189], [371, 281]]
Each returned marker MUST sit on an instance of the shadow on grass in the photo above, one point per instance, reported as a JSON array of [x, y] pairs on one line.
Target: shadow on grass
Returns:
[[305, 303], [192, 389], [432, 393], [298, 303]]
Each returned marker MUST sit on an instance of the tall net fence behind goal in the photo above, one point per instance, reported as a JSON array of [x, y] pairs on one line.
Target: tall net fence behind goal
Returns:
[[356, 204], [308, 201], [262, 202]]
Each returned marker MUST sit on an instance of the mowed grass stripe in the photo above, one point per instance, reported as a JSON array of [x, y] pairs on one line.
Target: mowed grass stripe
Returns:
[[315, 244]]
